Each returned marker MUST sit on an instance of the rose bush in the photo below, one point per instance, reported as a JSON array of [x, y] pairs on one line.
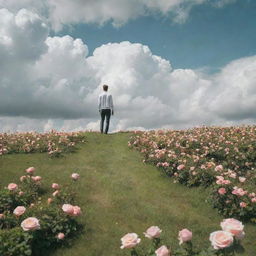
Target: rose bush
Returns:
[[55, 143], [223, 158], [33, 223], [224, 242]]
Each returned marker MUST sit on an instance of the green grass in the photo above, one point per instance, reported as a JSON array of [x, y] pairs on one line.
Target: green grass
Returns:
[[119, 194]]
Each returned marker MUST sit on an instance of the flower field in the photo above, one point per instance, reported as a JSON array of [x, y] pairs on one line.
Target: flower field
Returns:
[[52, 142], [31, 220], [222, 158]]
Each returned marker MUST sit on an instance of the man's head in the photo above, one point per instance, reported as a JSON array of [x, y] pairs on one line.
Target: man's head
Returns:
[[105, 87]]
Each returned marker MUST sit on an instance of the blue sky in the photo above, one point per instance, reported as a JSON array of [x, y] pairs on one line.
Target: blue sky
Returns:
[[210, 37]]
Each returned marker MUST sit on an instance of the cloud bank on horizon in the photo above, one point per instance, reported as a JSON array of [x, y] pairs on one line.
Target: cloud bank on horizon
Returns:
[[50, 82]]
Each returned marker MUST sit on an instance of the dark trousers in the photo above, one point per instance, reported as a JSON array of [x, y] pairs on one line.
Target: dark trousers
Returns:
[[105, 113]]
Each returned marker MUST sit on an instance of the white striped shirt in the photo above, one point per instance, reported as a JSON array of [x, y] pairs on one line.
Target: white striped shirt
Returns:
[[105, 101]]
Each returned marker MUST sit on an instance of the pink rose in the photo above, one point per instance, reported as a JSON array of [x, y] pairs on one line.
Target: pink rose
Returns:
[[21, 193], [242, 179], [181, 167], [219, 168], [1, 216], [253, 200], [130, 240], [30, 223], [222, 191], [75, 176], [55, 186], [68, 209], [30, 170], [55, 193], [60, 236], [163, 251], [12, 186], [221, 239], [243, 204], [77, 211], [22, 178], [19, 210], [235, 227], [185, 235], [153, 232], [36, 178], [49, 200]]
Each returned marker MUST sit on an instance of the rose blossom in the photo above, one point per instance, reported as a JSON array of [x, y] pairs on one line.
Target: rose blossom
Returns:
[[242, 179], [221, 239], [235, 227], [30, 223], [68, 209], [218, 168], [253, 200], [36, 178], [180, 167], [77, 211], [130, 240], [185, 235], [55, 193], [243, 204], [153, 232], [1, 215], [22, 178], [75, 176], [60, 236], [21, 193], [222, 191], [12, 186], [30, 170], [55, 186], [162, 251], [49, 200], [19, 210]]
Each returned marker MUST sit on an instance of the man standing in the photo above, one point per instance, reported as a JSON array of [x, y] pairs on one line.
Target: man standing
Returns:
[[106, 108]]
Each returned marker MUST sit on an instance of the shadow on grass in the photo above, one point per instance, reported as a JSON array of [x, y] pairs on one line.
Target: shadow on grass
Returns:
[[49, 249]]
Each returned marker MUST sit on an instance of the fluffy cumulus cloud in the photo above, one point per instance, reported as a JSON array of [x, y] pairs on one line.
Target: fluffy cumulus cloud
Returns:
[[118, 12], [51, 83]]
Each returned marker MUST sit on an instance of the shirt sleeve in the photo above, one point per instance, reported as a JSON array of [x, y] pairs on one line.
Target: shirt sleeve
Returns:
[[99, 103], [111, 102]]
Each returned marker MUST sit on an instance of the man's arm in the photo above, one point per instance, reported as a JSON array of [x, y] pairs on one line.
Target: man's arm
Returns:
[[111, 104], [99, 103]]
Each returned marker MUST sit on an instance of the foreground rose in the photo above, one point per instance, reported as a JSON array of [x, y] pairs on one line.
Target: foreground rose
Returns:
[[235, 227], [68, 209], [55, 186], [30, 170], [130, 240], [12, 186], [19, 210], [221, 239], [75, 176], [185, 235], [22, 178], [76, 211], [36, 178], [60, 236], [163, 251], [30, 223], [153, 232]]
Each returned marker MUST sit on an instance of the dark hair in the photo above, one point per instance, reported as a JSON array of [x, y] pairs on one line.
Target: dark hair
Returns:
[[105, 87]]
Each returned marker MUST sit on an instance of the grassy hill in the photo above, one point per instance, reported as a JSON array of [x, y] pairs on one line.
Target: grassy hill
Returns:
[[118, 194]]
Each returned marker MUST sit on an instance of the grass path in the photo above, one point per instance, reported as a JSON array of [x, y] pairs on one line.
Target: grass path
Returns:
[[120, 194]]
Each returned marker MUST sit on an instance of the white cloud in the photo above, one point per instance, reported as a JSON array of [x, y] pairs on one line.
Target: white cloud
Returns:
[[50, 82], [118, 12]]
